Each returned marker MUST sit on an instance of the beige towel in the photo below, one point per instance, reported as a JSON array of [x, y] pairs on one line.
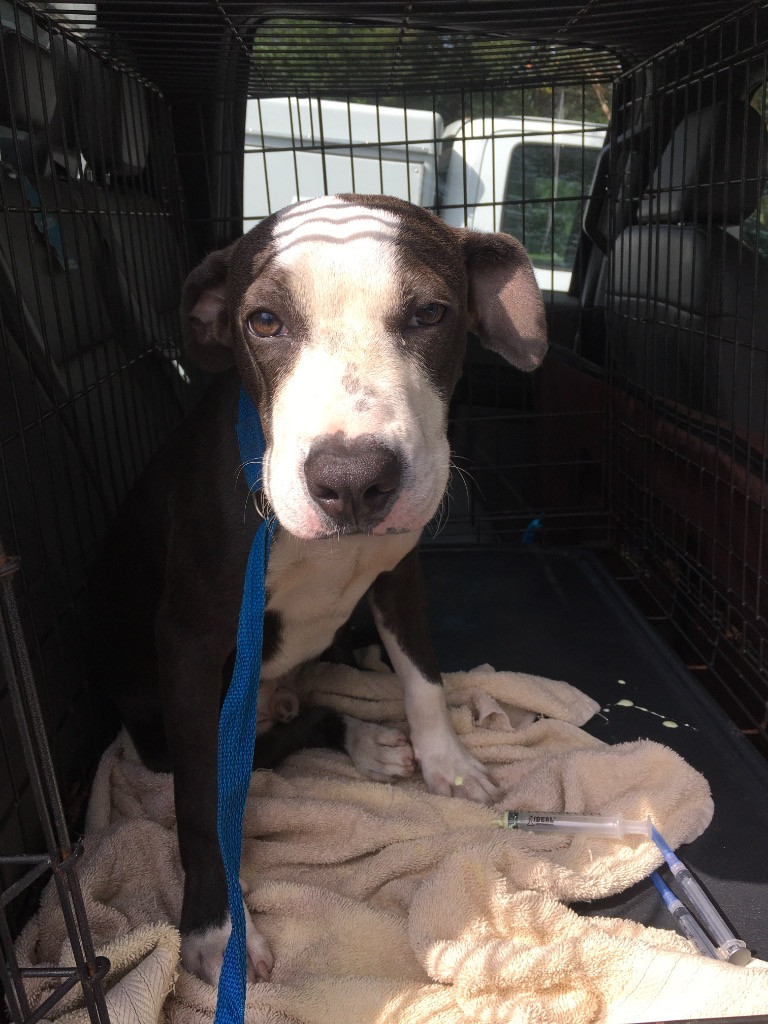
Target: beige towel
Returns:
[[384, 904]]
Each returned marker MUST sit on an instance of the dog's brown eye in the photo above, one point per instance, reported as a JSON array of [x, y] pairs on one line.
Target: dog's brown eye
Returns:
[[264, 324], [426, 316]]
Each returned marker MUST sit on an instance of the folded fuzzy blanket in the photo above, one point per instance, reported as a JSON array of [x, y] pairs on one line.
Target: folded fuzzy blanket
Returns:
[[385, 904]]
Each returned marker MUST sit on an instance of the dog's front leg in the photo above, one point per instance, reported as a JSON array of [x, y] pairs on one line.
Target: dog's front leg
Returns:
[[191, 678], [397, 601]]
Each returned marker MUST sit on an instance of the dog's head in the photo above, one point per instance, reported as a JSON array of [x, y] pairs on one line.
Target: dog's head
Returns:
[[346, 317]]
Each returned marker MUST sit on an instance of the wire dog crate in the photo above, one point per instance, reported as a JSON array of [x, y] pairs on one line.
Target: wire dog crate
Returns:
[[689, 355], [628, 153]]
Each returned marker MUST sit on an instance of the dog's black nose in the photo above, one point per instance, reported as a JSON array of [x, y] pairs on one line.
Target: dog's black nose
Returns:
[[353, 480]]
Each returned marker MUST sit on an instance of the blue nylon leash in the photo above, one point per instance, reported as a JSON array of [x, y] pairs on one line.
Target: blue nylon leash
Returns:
[[237, 724]]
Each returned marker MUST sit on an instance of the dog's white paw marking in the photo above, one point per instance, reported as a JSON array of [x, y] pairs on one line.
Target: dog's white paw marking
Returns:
[[380, 753], [202, 953], [450, 771]]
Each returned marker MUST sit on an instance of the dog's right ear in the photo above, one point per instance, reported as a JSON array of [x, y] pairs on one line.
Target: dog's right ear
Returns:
[[205, 322]]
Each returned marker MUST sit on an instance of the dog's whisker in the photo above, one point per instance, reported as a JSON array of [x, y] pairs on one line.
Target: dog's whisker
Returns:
[[465, 483], [456, 461], [466, 474], [454, 464], [463, 475], [441, 517], [248, 462], [436, 520], [250, 499], [262, 505], [445, 514]]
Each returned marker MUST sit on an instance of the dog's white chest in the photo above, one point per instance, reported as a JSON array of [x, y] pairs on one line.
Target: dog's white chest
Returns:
[[314, 585]]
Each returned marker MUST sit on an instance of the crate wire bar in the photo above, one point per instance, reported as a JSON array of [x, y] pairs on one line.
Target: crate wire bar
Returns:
[[61, 856], [93, 251], [688, 394]]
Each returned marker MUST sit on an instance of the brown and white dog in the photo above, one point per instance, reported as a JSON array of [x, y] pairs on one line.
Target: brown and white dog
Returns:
[[346, 320]]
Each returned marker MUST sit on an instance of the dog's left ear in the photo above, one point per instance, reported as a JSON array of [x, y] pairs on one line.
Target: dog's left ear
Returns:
[[205, 321], [505, 305]]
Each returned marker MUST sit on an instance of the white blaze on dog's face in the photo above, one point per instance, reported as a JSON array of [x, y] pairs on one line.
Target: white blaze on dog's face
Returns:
[[355, 373], [347, 319]]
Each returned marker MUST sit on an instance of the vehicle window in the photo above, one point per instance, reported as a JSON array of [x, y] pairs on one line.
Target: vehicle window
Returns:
[[544, 197], [754, 229]]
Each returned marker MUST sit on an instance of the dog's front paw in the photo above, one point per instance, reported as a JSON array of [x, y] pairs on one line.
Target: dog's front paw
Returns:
[[450, 771], [380, 753], [202, 952]]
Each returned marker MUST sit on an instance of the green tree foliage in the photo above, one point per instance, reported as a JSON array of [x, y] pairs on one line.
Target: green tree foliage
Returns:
[[419, 68]]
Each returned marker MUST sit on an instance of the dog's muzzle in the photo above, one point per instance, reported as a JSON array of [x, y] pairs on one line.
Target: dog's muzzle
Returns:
[[353, 481]]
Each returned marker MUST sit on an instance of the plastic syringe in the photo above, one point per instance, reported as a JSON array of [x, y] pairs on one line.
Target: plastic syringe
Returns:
[[689, 926], [607, 825], [728, 946]]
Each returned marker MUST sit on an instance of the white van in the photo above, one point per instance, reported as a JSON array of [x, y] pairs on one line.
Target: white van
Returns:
[[527, 176], [298, 149]]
